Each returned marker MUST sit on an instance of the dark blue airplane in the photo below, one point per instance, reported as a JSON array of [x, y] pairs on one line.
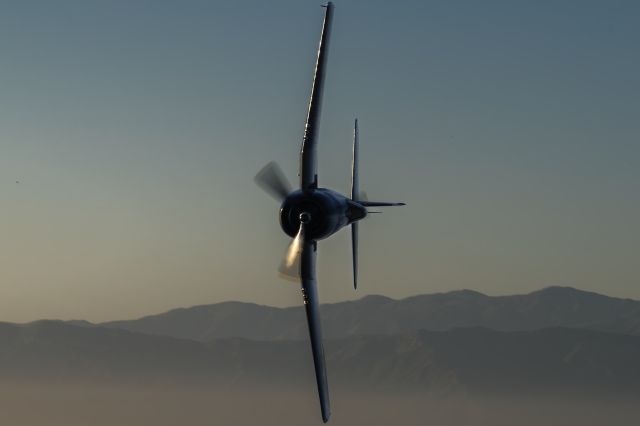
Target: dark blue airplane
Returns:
[[310, 213]]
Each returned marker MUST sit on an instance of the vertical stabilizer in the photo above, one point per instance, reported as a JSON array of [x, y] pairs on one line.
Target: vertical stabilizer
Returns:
[[355, 194]]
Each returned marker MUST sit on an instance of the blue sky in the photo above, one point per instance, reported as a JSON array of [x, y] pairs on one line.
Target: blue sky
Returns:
[[135, 128]]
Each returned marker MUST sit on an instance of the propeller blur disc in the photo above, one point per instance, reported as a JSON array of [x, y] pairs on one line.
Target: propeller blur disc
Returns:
[[273, 181]]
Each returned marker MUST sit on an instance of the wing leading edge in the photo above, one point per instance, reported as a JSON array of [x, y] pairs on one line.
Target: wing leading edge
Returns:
[[308, 158], [311, 306]]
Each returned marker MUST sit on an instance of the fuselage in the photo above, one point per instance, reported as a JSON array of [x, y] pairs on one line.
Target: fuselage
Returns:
[[329, 211]]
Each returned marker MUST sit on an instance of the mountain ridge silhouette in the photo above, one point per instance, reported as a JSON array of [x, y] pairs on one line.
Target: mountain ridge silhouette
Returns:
[[548, 307]]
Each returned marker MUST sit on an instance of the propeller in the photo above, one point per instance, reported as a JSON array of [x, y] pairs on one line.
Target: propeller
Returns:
[[273, 181], [290, 266]]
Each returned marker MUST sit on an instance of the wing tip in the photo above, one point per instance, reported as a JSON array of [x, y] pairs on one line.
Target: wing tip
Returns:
[[326, 414]]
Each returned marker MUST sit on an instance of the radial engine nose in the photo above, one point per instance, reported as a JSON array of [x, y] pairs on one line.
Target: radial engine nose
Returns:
[[305, 217]]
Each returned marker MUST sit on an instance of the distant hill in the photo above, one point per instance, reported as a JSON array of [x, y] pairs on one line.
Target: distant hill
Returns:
[[550, 307], [467, 359]]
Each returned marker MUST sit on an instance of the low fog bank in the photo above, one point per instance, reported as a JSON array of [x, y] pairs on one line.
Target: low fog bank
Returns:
[[34, 404]]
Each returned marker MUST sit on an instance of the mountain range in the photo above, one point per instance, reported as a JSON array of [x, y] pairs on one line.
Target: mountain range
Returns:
[[463, 341], [549, 307]]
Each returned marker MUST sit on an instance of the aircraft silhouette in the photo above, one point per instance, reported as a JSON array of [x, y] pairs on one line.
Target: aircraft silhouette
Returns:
[[310, 213]]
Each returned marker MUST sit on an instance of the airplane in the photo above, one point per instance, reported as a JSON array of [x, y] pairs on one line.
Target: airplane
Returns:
[[312, 213]]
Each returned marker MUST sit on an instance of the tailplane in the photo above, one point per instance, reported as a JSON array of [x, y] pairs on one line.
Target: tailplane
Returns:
[[380, 204]]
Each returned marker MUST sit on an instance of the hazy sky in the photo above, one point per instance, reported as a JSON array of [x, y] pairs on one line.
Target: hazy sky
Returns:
[[135, 128]]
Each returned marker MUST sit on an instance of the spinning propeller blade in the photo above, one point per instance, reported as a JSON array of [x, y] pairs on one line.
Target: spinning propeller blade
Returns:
[[273, 181]]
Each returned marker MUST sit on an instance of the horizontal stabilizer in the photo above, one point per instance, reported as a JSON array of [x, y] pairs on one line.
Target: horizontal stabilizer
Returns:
[[379, 204]]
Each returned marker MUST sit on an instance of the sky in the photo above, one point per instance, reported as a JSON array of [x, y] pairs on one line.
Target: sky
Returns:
[[130, 132]]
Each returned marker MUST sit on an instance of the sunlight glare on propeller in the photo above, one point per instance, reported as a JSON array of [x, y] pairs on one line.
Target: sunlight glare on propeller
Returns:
[[290, 266]]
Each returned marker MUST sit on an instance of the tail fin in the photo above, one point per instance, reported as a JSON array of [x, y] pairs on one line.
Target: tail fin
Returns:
[[360, 198], [355, 195]]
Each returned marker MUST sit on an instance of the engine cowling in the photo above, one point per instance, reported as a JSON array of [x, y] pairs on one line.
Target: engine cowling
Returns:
[[328, 210]]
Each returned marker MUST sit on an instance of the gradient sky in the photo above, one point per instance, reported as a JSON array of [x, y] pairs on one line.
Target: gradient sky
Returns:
[[135, 128]]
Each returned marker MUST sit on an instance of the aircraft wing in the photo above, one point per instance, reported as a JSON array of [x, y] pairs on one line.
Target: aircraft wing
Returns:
[[310, 297], [308, 160]]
